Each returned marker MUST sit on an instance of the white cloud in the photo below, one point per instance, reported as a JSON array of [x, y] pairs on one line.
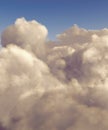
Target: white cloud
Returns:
[[59, 85], [26, 34]]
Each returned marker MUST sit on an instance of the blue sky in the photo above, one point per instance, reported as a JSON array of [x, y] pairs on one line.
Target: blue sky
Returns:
[[56, 15]]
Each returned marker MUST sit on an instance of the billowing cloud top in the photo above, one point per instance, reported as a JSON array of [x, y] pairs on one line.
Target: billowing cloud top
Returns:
[[60, 85], [26, 34]]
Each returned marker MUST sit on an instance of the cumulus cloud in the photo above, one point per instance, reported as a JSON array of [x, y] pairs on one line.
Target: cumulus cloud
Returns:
[[46, 85], [30, 35]]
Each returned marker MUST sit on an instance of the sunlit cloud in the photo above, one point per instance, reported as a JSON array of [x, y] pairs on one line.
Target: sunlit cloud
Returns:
[[60, 85]]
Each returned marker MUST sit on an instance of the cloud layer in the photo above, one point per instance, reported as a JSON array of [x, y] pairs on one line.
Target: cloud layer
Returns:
[[47, 85]]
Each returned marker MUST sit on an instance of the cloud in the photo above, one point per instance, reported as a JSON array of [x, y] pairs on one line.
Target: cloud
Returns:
[[30, 35], [46, 85]]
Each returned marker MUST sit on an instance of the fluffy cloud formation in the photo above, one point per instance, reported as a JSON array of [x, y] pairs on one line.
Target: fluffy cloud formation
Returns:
[[29, 35], [47, 85]]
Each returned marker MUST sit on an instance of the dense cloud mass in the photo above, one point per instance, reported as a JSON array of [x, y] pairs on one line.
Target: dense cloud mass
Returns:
[[45, 85]]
